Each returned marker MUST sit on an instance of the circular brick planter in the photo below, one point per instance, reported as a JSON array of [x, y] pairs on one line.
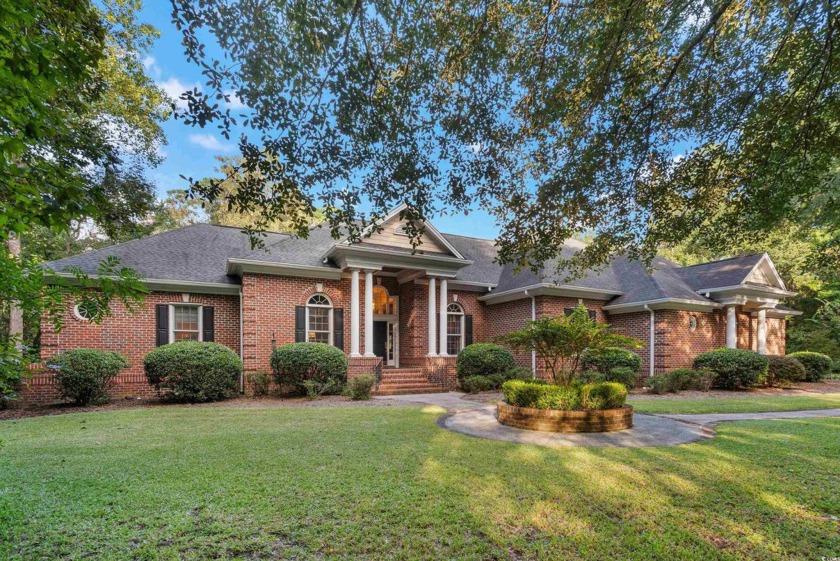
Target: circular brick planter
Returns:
[[606, 420]]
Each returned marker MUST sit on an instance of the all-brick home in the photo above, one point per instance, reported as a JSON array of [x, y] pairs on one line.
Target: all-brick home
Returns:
[[405, 313]]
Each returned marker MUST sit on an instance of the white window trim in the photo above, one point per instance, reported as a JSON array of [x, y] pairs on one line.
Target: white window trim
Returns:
[[331, 309], [462, 323], [77, 314], [172, 319]]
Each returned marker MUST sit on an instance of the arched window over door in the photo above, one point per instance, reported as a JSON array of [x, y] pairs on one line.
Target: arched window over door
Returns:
[[455, 330], [319, 322], [383, 303]]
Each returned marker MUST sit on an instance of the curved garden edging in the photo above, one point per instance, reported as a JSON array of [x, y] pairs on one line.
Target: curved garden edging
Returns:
[[606, 420]]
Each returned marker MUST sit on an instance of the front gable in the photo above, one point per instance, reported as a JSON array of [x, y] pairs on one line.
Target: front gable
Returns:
[[765, 273], [391, 232]]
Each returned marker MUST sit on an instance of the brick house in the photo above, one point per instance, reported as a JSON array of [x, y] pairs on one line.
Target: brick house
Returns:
[[401, 312]]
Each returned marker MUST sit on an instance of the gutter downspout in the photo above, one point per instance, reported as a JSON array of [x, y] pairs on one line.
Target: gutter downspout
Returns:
[[652, 343], [533, 351], [241, 344]]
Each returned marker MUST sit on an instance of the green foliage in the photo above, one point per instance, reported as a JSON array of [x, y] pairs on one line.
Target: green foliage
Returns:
[[359, 387], [817, 366], [475, 384], [560, 341], [193, 371], [596, 111], [314, 389], [680, 379], [518, 373], [783, 370], [627, 377], [483, 359], [496, 380], [734, 368], [323, 365], [608, 358], [539, 394], [84, 375], [260, 382]]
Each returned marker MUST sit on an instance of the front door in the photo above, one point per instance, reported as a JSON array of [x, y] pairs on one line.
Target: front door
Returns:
[[380, 339]]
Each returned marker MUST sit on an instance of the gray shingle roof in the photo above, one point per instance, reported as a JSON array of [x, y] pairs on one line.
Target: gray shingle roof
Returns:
[[726, 272], [199, 253]]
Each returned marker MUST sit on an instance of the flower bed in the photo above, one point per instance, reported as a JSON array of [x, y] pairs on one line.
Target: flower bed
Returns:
[[549, 420]]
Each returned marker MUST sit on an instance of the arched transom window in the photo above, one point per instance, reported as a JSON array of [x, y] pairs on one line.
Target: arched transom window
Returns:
[[454, 328], [383, 302], [319, 327]]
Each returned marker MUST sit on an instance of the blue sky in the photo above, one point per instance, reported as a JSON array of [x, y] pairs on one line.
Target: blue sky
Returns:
[[192, 151]]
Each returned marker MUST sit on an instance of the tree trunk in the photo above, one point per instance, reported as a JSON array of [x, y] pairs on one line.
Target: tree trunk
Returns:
[[15, 312]]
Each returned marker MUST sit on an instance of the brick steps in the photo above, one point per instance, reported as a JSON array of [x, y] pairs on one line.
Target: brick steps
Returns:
[[405, 381]]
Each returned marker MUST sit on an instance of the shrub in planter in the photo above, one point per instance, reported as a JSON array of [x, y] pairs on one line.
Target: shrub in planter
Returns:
[[359, 387], [784, 370], [484, 359], [84, 375], [608, 358], [475, 384], [260, 382], [538, 394], [817, 365], [297, 363], [193, 371], [734, 368]]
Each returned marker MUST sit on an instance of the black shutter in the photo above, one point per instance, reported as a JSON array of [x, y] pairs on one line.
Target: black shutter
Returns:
[[592, 315], [207, 323], [468, 330], [162, 324], [300, 324], [338, 328], [568, 311]]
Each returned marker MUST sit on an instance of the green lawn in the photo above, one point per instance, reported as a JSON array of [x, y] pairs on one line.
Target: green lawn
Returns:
[[373, 483], [746, 404]]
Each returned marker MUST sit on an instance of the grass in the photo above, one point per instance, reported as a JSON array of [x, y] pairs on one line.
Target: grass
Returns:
[[746, 404], [374, 483]]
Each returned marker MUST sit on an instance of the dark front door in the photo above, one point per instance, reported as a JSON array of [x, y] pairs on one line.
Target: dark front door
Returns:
[[380, 338]]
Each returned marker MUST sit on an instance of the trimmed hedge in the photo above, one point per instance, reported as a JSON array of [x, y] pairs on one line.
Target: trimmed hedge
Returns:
[[680, 379], [539, 394], [817, 365], [484, 359], [475, 384], [783, 370], [359, 387], [193, 371], [84, 375], [608, 358], [303, 364], [621, 374], [734, 368]]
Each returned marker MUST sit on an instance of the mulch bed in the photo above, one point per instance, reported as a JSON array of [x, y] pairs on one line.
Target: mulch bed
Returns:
[[21, 412]]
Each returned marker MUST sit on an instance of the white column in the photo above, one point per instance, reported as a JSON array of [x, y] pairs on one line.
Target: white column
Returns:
[[369, 314], [762, 332], [432, 321], [354, 312], [444, 302], [731, 328]]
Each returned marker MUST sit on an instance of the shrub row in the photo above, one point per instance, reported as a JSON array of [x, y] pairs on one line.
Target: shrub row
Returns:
[[538, 394], [475, 384], [817, 365], [483, 359], [681, 379]]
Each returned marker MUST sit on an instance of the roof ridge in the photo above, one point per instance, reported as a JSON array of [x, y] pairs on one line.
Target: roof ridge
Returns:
[[723, 260]]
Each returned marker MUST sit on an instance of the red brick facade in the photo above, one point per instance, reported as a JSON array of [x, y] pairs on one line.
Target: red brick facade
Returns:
[[268, 304]]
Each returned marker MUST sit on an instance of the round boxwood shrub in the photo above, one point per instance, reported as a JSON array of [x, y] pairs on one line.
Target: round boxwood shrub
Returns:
[[305, 364], [734, 368], [484, 359], [817, 365], [784, 370], [192, 371], [609, 358], [84, 375]]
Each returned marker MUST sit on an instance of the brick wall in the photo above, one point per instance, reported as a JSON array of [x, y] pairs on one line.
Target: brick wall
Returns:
[[130, 334], [680, 344]]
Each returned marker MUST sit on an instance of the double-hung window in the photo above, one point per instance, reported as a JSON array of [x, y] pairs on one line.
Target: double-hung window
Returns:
[[184, 323]]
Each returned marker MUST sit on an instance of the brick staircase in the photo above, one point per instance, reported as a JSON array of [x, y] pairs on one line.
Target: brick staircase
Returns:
[[404, 381]]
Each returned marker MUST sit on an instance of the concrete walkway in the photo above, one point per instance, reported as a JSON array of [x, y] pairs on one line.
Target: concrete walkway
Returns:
[[478, 419]]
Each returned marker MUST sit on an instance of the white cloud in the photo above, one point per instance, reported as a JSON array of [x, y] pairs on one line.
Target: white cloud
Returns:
[[235, 102], [151, 67], [210, 142], [175, 87]]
